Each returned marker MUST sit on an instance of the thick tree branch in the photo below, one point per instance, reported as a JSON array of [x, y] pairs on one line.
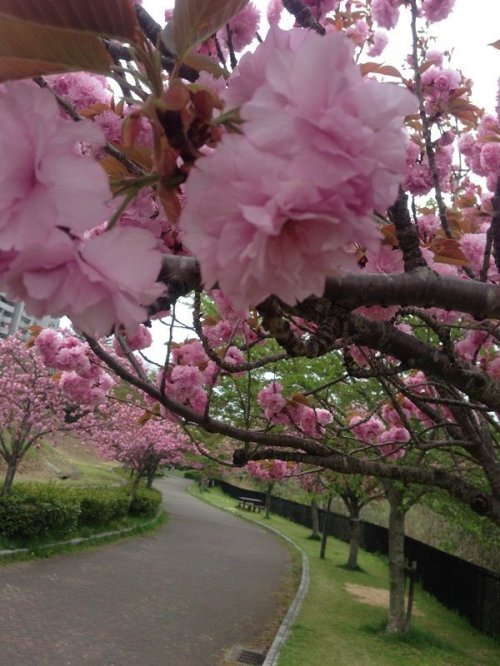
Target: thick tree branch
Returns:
[[420, 288], [480, 502]]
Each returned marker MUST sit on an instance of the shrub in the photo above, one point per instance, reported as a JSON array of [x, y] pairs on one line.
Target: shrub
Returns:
[[146, 503], [32, 510], [193, 474], [100, 506]]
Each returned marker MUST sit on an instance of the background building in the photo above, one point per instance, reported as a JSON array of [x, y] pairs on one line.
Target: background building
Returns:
[[14, 318]]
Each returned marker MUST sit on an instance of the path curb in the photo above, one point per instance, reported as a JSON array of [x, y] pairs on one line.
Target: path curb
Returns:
[[291, 615]]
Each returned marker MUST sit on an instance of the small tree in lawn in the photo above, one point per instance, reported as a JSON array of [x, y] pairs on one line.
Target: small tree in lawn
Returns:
[[355, 492], [140, 440], [311, 482], [32, 404]]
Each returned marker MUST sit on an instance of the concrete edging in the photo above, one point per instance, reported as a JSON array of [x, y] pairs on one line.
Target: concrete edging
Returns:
[[291, 615], [75, 542]]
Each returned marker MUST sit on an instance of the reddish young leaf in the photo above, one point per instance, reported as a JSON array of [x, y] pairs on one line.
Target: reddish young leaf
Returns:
[[115, 18], [30, 49]]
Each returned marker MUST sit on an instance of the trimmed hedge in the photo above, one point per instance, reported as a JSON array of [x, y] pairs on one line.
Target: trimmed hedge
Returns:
[[146, 503], [100, 506], [40, 509], [32, 510], [193, 475]]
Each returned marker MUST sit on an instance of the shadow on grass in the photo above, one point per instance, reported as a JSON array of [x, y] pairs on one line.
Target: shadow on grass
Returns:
[[416, 638], [356, 569]]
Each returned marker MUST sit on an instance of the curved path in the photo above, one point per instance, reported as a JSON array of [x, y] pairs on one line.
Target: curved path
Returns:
[[181, 596]]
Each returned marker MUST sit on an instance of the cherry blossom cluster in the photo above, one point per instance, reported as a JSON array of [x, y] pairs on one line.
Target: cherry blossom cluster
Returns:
[[54, 266], [140, 340], [120, 433], [191, 373], [294, 413], [271, 470], [320, 153], [373, 432], [82, 378], [481, 150], [386, 12]]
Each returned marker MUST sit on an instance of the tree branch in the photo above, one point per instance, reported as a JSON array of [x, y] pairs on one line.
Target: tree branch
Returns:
[[480, 503]]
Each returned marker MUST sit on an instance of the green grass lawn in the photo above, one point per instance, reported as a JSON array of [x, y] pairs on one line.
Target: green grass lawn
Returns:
[[335, 628]]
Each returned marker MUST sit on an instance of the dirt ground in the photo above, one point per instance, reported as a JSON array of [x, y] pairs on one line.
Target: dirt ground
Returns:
[[372, 596]]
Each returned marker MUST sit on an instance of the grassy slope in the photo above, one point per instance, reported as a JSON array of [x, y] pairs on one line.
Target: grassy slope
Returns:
[[80, 464], [335, 628]]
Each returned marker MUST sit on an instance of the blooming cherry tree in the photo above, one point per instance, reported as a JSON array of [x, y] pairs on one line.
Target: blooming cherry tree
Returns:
[[33, 405], [317, 203], [126, 434]]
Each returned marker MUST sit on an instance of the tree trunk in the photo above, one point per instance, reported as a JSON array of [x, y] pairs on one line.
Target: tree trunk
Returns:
[[315, 519], [352, 562], [150, 477], [134, 486], [9, 478], [396, 622], [326, 524]]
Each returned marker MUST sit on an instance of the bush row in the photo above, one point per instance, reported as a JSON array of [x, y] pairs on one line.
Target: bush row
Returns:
[[39, 509]]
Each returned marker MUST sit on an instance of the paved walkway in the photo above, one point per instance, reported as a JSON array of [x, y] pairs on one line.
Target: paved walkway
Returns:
[[181, 596]]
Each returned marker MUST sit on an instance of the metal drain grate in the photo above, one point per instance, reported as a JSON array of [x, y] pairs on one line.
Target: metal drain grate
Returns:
[[249, 657]]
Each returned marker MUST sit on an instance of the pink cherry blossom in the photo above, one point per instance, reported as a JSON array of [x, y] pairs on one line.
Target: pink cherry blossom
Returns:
[[380, 40], [490, 157], [271, 400], [385, 12], [45, 178], [274, 10], [366, 428], [99, 283], [141, 339], [437, 10], [243, 27], [310, 178], [391, 442], [358, 32], [81, 88]]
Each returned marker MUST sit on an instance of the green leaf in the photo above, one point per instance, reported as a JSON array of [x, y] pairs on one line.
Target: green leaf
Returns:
[[196, 20], [30, 49], [115, 18], [204, 63]]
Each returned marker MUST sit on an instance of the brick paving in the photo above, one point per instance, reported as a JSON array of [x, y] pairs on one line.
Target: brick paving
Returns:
[[181, 596]]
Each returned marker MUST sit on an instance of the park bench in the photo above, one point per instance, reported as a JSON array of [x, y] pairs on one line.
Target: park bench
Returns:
[[250, 504]]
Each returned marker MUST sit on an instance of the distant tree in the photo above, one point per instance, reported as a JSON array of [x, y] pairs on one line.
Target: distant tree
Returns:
[[33, 406], [138, 439]]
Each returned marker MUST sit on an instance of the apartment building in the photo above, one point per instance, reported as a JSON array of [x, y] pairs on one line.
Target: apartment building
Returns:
[[13, 318]]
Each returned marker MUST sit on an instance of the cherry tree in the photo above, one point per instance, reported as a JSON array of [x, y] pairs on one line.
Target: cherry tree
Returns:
[[324, 205], [139, 440], [33, 404], [270, 472]]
